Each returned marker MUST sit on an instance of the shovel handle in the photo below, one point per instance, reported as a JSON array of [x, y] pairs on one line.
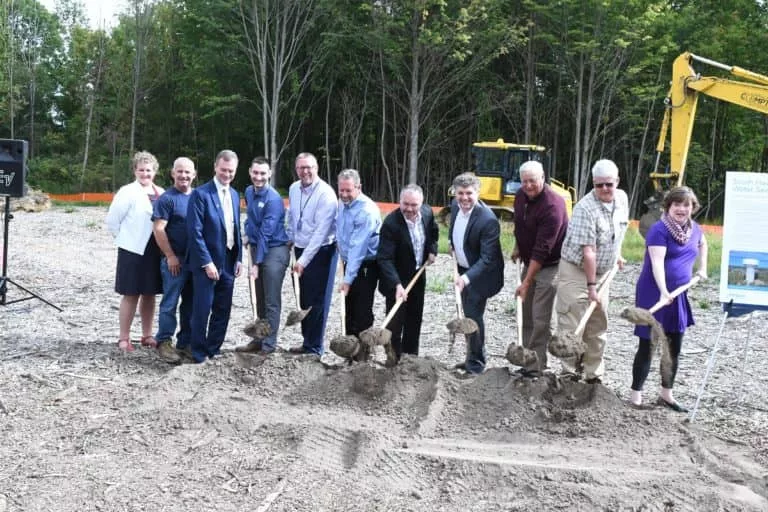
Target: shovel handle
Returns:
[[677, 291], [519, 306], [593, 304], [459, 306], [399, 302], [343, 310], [251, 284], [295, 277]]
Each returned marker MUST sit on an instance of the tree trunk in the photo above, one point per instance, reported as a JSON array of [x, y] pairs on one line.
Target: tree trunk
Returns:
[[577, 131], [383, 134], [414, 103], [530, 79]]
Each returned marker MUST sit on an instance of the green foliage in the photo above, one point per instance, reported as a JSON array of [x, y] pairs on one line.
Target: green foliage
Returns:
[[438, 283], [393, 81]]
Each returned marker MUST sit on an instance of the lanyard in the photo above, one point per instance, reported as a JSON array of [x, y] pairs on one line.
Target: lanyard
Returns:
[[303, 204]]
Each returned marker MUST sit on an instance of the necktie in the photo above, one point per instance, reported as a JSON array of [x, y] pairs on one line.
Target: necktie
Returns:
[[229, 218]]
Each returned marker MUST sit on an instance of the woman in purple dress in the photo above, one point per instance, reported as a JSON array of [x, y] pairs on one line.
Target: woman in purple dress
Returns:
[[673, 245]]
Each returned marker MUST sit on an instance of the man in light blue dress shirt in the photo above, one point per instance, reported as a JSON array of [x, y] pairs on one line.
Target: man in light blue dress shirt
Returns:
[[357, 234], [312, 229]]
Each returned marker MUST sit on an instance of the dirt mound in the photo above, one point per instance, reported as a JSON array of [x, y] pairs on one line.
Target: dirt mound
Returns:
[[404, 392], [87, 428]]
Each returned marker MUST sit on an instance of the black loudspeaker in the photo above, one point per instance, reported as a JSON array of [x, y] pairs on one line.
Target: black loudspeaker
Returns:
[[13, 167]]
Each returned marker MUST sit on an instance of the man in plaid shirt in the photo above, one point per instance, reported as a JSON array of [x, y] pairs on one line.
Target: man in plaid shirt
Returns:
[[592, 246]]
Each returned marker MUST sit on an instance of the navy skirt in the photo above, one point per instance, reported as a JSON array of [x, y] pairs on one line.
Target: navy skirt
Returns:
[[139, 274]]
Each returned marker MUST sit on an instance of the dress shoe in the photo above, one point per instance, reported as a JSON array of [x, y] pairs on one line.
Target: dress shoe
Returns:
[[251, 348], [594, 380], [672, 405]]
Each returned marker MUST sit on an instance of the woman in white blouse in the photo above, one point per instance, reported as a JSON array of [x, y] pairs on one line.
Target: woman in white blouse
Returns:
[[138, 277]]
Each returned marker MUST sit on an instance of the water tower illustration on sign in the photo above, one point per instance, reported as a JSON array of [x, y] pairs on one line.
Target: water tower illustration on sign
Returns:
[[750, 264]]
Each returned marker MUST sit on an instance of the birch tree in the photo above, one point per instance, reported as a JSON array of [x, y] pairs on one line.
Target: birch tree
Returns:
[[276, 43]]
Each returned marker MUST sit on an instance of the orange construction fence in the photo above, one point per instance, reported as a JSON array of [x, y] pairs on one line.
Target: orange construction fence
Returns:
[[106, 197]]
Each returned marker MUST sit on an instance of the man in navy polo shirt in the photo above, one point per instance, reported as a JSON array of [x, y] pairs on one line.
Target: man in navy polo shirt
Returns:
[[169, 225], [268, 245]]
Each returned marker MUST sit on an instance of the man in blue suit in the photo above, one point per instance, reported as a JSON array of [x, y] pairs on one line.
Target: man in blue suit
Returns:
[[214, 256], [474, 239]]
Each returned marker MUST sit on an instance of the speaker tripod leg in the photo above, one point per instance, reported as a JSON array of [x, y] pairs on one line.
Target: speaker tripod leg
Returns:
[[4, 292]]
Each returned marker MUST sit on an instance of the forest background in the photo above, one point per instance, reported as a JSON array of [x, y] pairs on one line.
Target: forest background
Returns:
[[398, 89]]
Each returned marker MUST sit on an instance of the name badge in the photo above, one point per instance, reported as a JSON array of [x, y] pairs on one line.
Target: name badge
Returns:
[[261, 204]]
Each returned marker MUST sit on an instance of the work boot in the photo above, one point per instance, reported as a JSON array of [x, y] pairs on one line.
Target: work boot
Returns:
[[185, 355], [167, 352], [251, 348]]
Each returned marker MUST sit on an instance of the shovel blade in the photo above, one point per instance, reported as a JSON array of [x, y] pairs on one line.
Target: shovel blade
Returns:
[[521, 356], [295, 317], [258, 329]]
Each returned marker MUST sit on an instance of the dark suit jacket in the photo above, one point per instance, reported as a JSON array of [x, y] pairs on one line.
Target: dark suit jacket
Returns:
[[396, 257], [482, 247], [206, 232]]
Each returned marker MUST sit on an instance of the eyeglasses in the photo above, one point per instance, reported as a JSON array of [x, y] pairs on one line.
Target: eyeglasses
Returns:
[[607, 184]]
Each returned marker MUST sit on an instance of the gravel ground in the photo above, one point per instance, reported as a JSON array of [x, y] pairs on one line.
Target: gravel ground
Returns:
[[87, 428]]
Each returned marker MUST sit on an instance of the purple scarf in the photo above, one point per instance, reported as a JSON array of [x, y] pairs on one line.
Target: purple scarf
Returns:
[[680, 232]]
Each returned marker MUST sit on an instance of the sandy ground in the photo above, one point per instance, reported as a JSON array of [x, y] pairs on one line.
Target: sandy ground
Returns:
[[86, 428]]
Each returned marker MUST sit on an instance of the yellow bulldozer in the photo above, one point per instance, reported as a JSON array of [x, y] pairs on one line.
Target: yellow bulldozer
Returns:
[[497, 165]]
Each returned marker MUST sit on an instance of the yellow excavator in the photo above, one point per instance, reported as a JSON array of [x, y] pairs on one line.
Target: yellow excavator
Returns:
[[497, 165], [751, 92]]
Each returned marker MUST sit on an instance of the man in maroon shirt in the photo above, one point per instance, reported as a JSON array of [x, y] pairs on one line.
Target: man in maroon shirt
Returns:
[[541, 220]]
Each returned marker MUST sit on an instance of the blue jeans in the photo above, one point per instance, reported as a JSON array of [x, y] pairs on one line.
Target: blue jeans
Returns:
[[269, 289], [175, 288]]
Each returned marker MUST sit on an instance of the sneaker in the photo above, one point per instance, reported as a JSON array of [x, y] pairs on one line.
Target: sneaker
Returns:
[[167, 352], [253, 347]]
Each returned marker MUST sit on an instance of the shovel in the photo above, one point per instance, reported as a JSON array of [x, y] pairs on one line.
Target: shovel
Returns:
[[642, 316], [571, 345], [258, 329], [460, 324], [297, 315], [373, 336], [516, 353], [345, 346]]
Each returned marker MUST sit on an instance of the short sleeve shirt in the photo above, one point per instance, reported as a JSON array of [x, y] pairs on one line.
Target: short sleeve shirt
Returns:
[[172, 207], [602, 225]]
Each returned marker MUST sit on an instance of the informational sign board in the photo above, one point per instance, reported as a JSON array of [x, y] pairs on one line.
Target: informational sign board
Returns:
[[744, 263]]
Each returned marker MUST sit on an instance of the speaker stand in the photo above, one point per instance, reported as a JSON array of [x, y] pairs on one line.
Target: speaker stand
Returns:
[[4, 279]]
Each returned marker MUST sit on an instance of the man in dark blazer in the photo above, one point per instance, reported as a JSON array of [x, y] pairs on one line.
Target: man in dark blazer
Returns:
[[407, 240], [474, 240], [214, 256]]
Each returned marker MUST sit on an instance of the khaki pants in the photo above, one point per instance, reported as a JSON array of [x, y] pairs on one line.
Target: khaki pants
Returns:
[[538, 318], [572, 303]]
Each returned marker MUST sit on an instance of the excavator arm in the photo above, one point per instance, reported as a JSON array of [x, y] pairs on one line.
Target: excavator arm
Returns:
[[750, 92]]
